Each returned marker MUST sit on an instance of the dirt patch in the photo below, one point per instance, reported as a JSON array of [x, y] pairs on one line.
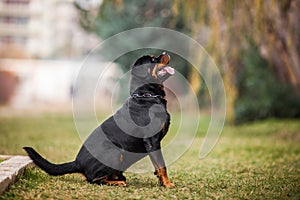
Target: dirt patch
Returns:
[[288, 135]]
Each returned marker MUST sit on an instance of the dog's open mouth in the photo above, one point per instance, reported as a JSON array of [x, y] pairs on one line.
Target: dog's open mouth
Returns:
[[166, 70]]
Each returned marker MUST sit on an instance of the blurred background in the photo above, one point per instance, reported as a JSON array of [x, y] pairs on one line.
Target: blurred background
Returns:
[[255, 44]]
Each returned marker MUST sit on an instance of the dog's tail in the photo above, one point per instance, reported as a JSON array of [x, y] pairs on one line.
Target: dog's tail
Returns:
[[50, 168]]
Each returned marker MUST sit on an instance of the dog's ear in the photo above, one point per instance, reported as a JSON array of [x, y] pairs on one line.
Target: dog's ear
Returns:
[[140, 71]]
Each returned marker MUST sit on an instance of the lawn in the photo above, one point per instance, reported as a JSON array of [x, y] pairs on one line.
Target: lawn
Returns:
[[254, 161]]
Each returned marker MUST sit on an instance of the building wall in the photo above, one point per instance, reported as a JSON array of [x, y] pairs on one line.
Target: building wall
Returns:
[[43, 28]]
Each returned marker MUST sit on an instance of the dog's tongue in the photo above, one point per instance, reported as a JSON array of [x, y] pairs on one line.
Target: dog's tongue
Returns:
[[170, 70]]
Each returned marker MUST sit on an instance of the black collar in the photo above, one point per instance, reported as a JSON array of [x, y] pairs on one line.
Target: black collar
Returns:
[[146, 95]]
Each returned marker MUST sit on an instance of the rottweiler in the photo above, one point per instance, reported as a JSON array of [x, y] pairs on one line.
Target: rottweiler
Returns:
[[133, 132]]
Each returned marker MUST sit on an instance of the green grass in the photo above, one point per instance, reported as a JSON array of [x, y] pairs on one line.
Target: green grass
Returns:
[[253, 161]]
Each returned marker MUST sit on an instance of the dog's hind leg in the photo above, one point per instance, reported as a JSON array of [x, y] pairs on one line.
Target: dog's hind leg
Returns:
[[116, 179]]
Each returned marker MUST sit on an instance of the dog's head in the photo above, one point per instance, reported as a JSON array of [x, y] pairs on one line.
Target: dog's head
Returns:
[[152, 69]]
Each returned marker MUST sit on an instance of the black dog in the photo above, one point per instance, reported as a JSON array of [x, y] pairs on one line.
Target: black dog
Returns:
[[132, 133]]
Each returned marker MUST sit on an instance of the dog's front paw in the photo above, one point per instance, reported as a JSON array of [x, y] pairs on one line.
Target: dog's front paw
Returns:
[[164, 181], [163, 178], [168, 184]]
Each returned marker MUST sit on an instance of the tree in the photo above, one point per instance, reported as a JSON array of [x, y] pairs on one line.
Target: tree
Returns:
[[252, 38], [245, 38]]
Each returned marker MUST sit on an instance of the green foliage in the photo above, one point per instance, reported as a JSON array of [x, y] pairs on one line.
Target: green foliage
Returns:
[[260, 94], [115, 17], [286, 102], [267, 85]]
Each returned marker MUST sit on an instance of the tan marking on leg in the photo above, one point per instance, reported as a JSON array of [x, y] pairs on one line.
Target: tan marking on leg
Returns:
[[163, 178], [115, 183], [106, 181]]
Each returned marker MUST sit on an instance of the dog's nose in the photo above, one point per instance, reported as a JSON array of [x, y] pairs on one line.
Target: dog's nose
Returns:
[[164, 58]]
